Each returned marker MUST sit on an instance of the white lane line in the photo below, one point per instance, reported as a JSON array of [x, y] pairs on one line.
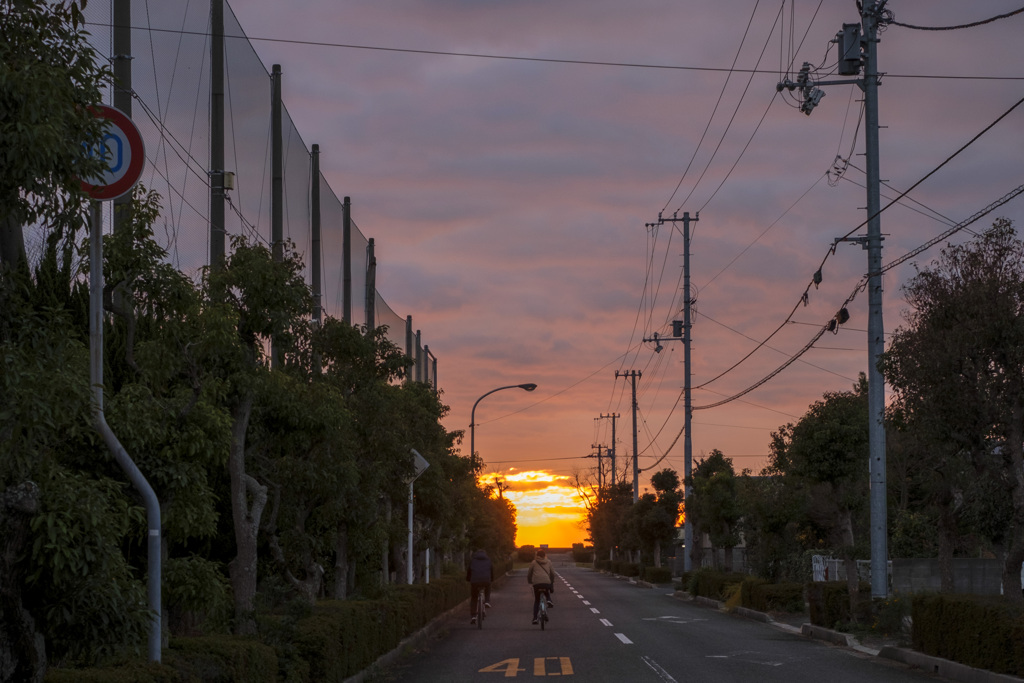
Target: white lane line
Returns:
[[586, 602], [579, 596], [624, 639], [606, 622], [595, 610], [664, 675]]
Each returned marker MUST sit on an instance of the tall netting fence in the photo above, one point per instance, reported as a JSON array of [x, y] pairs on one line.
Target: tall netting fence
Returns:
[[171, 85]]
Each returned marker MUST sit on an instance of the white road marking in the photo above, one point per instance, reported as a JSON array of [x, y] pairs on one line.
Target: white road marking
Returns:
[[595, 610], [664, 675], [586, 602], [624, 639], [606, 622]]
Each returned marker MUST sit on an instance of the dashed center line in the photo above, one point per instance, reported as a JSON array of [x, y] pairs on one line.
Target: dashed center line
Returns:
[[595, 610], [623, 638], [606, 622]]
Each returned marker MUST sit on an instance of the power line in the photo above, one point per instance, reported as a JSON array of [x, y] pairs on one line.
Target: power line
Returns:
[[545, 60], [893, 22], [831, 251]]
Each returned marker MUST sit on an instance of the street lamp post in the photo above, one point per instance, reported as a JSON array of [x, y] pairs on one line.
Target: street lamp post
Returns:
[[472, 414]]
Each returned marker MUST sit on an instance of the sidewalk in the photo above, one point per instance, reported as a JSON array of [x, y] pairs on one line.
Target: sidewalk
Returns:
[[890, 647]]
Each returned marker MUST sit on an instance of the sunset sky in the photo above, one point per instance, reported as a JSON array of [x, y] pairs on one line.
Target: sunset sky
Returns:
[[507, 188]]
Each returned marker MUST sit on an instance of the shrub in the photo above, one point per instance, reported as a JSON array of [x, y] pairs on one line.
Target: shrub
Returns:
[[657, 574], [526, 553], [989, 634], [829, 603], [582, 554], [710, 583]]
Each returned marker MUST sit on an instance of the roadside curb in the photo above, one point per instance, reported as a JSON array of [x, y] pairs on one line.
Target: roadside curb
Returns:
[[944, 667], [413, 640]]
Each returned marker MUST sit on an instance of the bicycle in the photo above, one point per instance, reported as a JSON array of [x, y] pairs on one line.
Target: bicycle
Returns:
[[480, 613], [542, 615]]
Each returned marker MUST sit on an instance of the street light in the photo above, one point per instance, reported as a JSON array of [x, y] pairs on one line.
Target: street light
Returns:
[[472, 414]]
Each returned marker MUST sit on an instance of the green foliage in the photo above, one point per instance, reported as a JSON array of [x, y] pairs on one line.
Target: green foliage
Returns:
[[581, 553], [764, 596], [829, 604], [526, 553], [49, 76], [656, 574], [712, 503], [196, 595], [988, 635], [714, 584]]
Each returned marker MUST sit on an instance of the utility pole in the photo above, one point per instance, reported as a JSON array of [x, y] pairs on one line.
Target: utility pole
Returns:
[[217, 228], [683, 328], [633, 374], [855, 51], [611, 451], [600, 466], [276, 188]]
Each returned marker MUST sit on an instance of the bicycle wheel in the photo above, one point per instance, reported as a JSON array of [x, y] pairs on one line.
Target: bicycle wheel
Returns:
[[543, 615], [480, 611]]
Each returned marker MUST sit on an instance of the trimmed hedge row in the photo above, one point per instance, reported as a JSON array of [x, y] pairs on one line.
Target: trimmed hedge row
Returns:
[[764, 596], [713, 584], [331, 642], [829, 603], [988, 634]]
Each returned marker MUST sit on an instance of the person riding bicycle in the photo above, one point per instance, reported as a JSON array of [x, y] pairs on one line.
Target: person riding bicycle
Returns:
[[480, 574], [541, 575]]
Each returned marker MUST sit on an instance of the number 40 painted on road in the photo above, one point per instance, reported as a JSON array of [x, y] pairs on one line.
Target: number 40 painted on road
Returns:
[[510, 667]]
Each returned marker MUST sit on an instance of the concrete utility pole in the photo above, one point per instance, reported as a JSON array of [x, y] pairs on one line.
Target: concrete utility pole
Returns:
[[855, 51], [122, 64], [683, 327], [346, 264], [633, 374], [315, 220], [276, 188], [600, 465], [611, 451], [217, 227]]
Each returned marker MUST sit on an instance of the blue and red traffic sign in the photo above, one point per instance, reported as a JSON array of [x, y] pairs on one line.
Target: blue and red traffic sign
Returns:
[[124, 152]]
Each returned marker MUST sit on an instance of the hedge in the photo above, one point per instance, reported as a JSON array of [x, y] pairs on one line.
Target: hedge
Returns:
[[763, 596], [332, 641], [656, 574], [989, 634], [829, 603], [710, 583]]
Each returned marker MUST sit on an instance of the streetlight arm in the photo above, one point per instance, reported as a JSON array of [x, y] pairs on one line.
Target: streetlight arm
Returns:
[[472, 415]]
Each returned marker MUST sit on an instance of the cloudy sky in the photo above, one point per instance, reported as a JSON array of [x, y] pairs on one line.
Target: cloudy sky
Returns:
[[506, 156]]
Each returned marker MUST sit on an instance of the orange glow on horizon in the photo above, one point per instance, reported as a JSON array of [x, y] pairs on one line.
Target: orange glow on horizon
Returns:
[[548, 509]]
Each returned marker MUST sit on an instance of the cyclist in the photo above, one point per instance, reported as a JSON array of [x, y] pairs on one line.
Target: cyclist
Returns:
[[480, 574], [541, 575]]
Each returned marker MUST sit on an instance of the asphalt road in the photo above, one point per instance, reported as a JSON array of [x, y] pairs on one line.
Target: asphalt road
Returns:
[[606, 629]]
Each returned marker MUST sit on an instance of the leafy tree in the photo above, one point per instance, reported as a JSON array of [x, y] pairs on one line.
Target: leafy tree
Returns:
[[608, 509], [714, 504], [49, 76], [957, 369], [825, 454], [269, 300]]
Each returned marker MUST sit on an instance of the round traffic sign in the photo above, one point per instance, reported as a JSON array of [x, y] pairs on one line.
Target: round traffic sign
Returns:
[[122, 149]]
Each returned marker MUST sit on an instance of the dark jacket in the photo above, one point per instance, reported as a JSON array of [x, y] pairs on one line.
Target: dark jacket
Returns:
[[480, 569]]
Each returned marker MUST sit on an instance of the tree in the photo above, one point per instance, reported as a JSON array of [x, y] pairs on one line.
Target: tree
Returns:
[[825, 455], [268, 299], [714, 503], [957, 369], [656, 514], [49, 77]]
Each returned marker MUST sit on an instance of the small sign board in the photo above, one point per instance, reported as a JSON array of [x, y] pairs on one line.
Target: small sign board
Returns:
[[419, 464], [124, 152]]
